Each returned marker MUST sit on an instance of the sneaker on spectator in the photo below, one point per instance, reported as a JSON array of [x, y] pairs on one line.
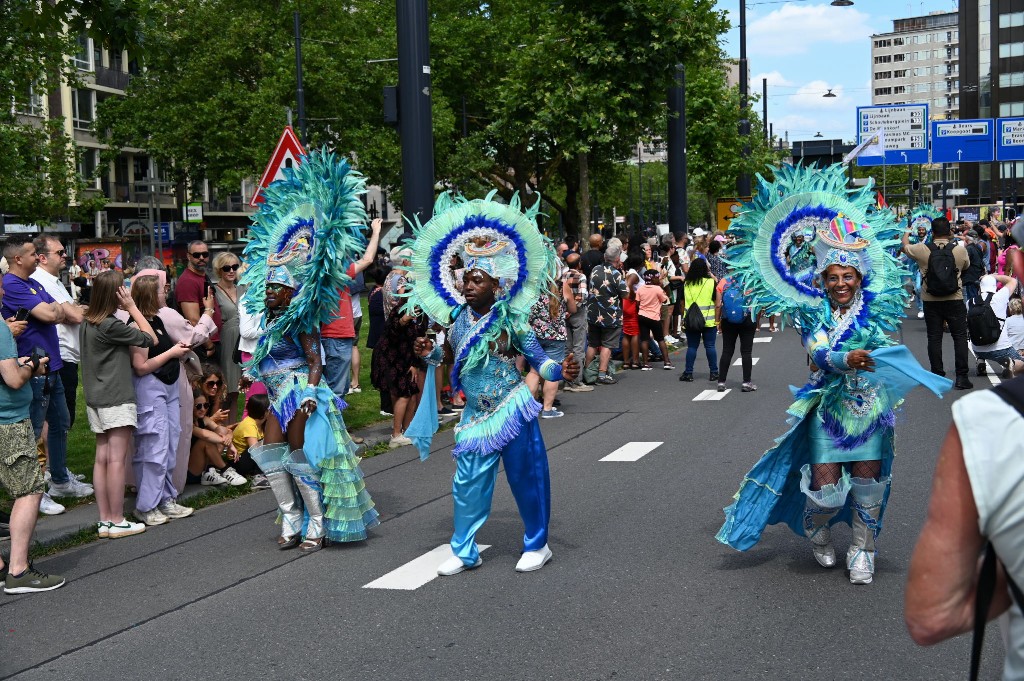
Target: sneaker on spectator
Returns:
[[385, 413], [259, 481], [606, 379], [445, 411], [173, 510], [578, 388], [212, 478], [920, 315], [354, 390], [71, 488], [458, 407], [749, 387], [47, 506], [150, 518], [125, 528], [103, 529], [233, 478], [32, 581], [397, 441], [552, 414]]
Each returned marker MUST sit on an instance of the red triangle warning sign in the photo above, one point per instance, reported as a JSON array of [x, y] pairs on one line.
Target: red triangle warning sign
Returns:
[[286, 155]]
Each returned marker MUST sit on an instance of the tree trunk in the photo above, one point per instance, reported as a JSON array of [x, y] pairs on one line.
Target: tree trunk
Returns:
[[584, 166], [569, 172], [712, 214]]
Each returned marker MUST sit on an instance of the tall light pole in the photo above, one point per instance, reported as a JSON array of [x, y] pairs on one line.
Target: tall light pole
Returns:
[[743, 183], [299, 92], [677, 208], [415, 116]]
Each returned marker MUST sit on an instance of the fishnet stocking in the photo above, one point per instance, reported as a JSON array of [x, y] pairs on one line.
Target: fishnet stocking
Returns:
[[830, 473]]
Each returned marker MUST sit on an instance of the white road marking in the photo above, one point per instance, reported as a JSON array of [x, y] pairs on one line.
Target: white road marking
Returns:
[[416, 572], [632, 451], [763, 339], [711, 395], [764, 325], [739, 362]]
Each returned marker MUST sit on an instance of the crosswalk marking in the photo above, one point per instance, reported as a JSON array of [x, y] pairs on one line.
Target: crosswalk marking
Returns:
[[632, 451], [711, 395], [763, 339], [739, 362], [764, 325], [416, 572]]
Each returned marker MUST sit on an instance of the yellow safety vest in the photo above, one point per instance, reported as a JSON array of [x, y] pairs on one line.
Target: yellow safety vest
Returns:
[[702, 293]]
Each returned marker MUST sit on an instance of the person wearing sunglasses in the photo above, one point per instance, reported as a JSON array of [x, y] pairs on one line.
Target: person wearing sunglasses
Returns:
[[190, 292], [211, 443], [226, 270]]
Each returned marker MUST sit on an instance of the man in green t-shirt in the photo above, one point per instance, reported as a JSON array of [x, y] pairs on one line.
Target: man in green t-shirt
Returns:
[[20, 472]]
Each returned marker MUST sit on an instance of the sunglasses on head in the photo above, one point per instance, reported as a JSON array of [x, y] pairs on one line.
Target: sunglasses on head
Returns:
[[230, 268], [202, 405], [214, 383], [200, 254]]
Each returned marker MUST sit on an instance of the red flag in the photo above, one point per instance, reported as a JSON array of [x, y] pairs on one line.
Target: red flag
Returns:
[[949, 215], [881, 201]]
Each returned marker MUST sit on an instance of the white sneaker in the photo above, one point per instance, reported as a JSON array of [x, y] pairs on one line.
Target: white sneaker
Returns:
[[212, 478], [71, 488], [454, 566], [534, 560], [125, 528], [47, 506], [397, 441], [233, 478], [920, 315], [74, 476], [579, 388], [173, 510], [151, 518]]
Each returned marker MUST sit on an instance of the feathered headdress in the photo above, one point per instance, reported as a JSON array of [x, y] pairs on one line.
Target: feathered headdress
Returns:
[[499, 239], [921, 216], [304, 236], [807, 198]]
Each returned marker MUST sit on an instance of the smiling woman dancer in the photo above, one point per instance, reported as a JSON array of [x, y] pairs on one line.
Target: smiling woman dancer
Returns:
[[835, 464]]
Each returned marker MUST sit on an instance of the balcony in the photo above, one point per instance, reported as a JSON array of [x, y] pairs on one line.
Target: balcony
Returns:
[[228, 204], [111, 78]]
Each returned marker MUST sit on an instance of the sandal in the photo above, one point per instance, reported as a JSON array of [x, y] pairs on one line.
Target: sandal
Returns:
[[311, 545], [668, 367], [285, 543]]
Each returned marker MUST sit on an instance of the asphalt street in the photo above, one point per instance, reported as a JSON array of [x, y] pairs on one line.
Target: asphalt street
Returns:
[[638, 587]]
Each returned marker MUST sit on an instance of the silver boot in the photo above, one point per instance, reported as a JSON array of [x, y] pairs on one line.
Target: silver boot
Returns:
[[821, 506], [867, 509], [307, 479], [271, 460]]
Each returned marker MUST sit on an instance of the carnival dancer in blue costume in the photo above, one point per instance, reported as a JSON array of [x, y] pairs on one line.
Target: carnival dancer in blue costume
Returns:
[[506, 266], [835, 463], [304, 236], [919, 222]]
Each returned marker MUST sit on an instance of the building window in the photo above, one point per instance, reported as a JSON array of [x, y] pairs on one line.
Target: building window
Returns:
[[82, 59], [83, 109], [882, 75], [88, 160], [116, 59], [1011, 20], [1011, 79], [883, 59], [899, 90], [902, 73], [923, 87], [1011, 50], [879, 91], [97, 55], [1011, 109], [899, 57], [33, 106]]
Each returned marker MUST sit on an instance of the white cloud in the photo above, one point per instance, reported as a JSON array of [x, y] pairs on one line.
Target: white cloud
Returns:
[[795, 29], [775, 79]]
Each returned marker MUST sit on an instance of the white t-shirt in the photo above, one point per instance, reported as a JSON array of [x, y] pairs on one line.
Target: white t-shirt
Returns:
[[1014, 330], [67, 334], [999, 302], [990, 433]]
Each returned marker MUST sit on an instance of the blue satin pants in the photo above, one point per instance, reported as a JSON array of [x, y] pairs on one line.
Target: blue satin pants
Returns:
[[526, 467]]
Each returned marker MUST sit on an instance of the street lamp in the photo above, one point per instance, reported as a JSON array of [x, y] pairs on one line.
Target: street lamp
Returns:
[[830, 93], [818, 134], [743, 183]]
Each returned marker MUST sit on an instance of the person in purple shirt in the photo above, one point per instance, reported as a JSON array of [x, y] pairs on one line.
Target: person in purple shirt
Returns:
[[48, 403]]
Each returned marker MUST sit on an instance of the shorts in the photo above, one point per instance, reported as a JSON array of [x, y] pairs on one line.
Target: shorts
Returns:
[[20, 472], [554, 349], [604, 336], [649, 327], [999, 355], [107, 418], [357, 323]]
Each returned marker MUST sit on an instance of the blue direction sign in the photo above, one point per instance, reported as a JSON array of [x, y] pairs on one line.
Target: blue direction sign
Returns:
[[906, 133], [1010, 139], [963, 141]]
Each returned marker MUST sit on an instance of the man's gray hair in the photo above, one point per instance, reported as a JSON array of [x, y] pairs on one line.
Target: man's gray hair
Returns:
[[613, 250], [148, 262]]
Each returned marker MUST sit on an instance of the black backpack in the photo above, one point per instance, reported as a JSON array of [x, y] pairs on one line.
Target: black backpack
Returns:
[[941, 279], [983, 326]]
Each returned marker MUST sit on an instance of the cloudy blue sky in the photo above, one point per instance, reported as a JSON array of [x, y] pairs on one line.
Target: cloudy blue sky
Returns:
[[806, 47]]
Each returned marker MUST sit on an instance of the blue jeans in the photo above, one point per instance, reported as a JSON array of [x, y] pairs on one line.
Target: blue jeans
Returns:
[[49, 406], [971, 291], [693, 338], [338, 364]]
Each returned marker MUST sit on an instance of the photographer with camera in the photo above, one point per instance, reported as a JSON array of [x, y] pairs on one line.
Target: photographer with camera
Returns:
[[22, 294], [20, 473]]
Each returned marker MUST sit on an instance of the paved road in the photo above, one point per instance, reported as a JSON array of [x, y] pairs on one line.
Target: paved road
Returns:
[[638, 588]]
